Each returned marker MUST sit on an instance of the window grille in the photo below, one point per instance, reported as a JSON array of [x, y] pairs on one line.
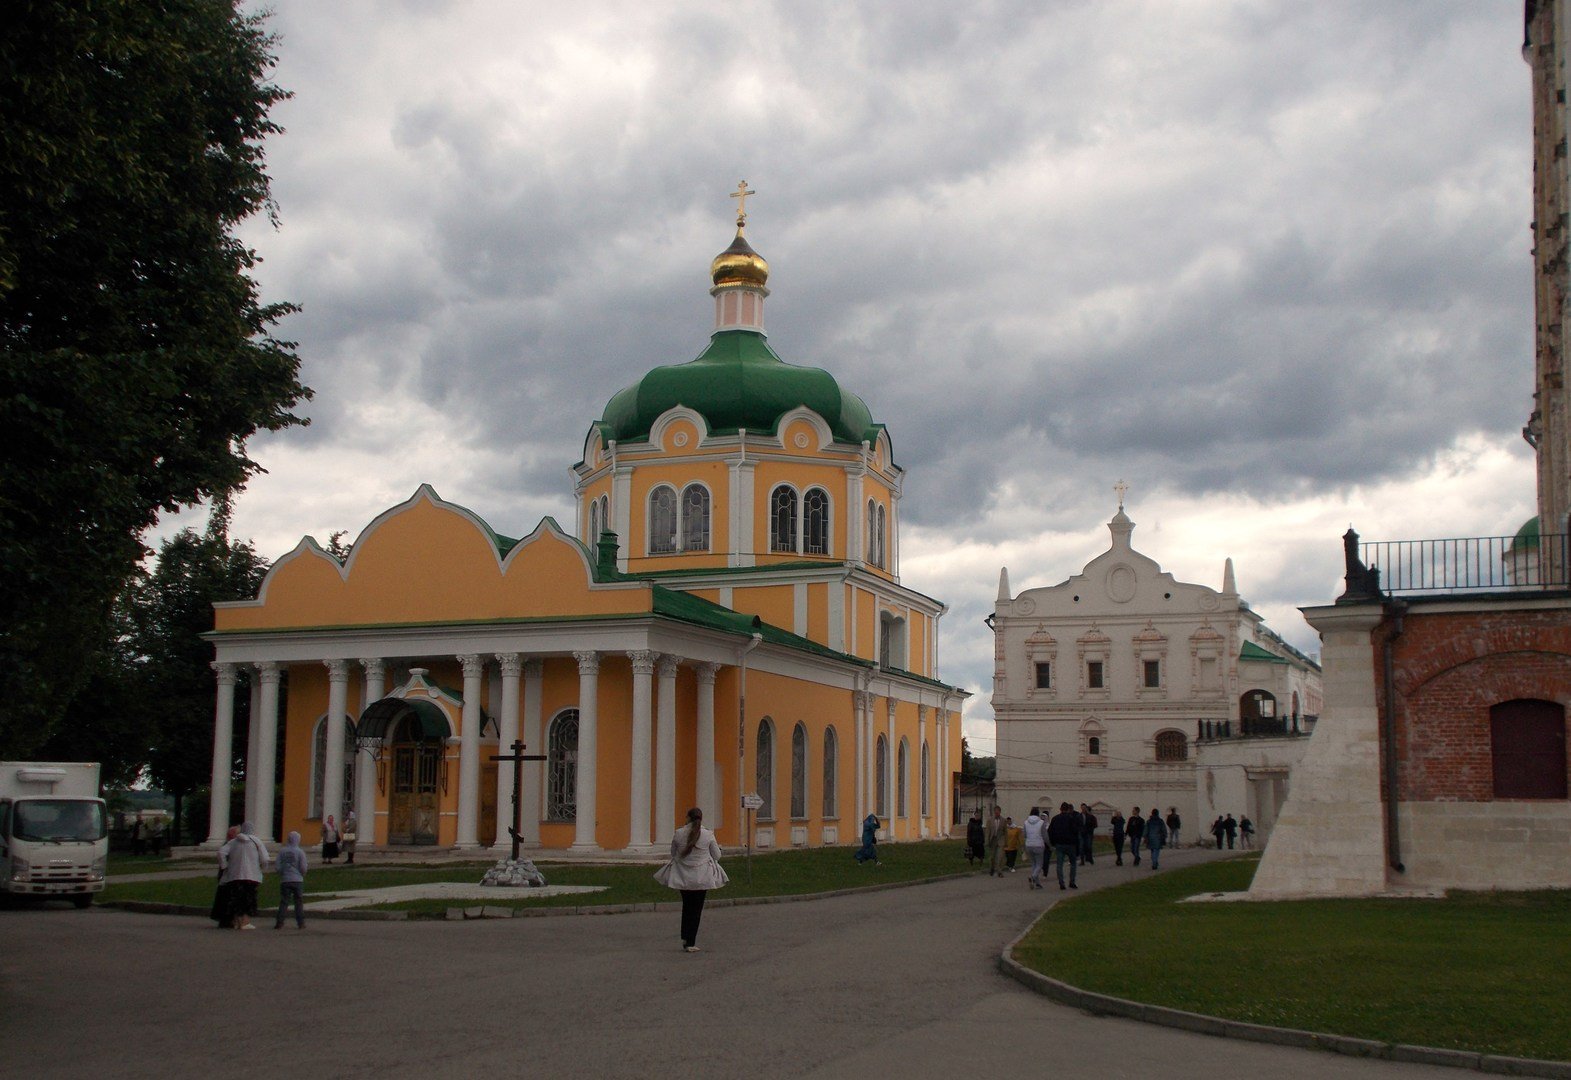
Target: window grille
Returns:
[[903, 768], [815, 522], [562, 767], [1172, 746], [662, 521], [695, 518], [882, 761], [1153, 673], [799, 772], [831, 769], [765, 768], [782, 519], [1094, 674]]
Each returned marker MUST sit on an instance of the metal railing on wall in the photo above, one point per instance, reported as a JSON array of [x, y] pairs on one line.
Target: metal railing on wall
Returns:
[[1469, 564]]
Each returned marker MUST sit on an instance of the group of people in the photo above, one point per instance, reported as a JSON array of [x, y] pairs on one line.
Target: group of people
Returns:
[[1154, 832], [146, 836], [1229, 829], [243, 860]]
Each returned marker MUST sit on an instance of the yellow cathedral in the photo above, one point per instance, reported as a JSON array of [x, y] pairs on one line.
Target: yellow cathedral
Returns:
[[727, 622]]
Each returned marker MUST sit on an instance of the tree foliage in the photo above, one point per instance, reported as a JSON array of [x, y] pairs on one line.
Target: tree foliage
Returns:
[[136, 356]]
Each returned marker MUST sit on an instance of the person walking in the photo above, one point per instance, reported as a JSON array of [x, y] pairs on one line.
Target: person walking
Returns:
[[694, 869], [1155, 836], [1088, 824], [349, 837], [995, 843], [1014, 837], [329, 839], [1063, 832], [1174, 822], [1135, 829], [291, 881], [1218, 830], [1116, 822], [223, 912], [243, 860], [976, 838], [868, 852], [1246, 833], [1230, 827], [1036, 847]]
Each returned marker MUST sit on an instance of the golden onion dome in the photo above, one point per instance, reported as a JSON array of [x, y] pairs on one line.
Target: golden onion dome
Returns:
[[739, 266]]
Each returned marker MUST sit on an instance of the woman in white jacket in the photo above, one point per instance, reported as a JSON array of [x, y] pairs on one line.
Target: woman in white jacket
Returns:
[[694, 869]]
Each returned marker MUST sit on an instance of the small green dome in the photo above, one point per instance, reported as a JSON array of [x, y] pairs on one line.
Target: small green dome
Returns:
[[737, 382], [1527, 535]]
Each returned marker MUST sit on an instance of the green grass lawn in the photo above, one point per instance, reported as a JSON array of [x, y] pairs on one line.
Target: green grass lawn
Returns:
[[1475, 971], [781, 873]]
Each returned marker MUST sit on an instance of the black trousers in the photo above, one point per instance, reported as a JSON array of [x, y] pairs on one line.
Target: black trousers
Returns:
[[692, 911]]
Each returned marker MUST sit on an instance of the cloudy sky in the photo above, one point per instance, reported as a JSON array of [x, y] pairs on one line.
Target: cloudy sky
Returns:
[[1266, 261]]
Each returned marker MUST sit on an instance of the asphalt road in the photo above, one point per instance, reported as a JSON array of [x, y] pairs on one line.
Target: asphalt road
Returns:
[[901, 982]]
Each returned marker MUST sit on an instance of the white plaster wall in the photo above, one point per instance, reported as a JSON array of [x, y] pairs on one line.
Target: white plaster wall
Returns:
[[1485, 845]]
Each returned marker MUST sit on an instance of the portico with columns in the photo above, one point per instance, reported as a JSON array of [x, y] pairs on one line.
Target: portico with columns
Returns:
[[730, 620]]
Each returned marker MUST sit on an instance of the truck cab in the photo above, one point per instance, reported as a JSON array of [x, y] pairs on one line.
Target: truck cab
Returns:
[[54, 836]]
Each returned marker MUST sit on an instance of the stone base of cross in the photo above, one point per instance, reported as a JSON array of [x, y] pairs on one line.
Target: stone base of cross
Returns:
[[514, 874]]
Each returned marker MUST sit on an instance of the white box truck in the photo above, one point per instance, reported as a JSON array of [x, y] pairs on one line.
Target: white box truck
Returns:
[[54, 835]]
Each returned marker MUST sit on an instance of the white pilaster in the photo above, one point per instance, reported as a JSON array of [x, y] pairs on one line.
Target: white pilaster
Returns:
[[892, 766], [534, 669], [469, 754], [223, 754], [512, 666], [333, 766], [859, 764], [365, 766], [253, 746], [622, 511], [708, 797], [266, 751], [665, 746], [742, 512], [638, 786], [588, 723]]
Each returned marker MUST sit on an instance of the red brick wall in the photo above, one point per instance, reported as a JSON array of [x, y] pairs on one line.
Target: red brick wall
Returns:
[[1450, 668]]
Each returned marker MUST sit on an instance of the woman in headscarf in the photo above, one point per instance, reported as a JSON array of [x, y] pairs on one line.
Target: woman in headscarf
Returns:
[[223, 911], [694, 869], [329, 839], [868, 852], [243, 859], [349, 837], [291, 881]]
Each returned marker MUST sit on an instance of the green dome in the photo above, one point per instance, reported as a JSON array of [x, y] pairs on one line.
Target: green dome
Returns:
[[1527, 535], [737, 382]]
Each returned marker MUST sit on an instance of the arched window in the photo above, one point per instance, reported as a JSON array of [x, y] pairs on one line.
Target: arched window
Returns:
[[815, 522], [782, 519], [1094, 746], [876, 522], [319, 768], [561, 802], [695, 518], [799, 772], [765, 767], [902, 771], [926, 776], [831, 771], [605, 516], [883, 537], [1172, 746], [1527, 743], [593, 537], [662, 520], [881, 761]]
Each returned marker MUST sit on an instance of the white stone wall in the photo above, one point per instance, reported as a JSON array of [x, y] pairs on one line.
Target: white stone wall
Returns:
[[1485, 845]]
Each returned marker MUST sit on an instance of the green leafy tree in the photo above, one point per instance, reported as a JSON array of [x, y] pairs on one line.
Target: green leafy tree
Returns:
[[136, 356]]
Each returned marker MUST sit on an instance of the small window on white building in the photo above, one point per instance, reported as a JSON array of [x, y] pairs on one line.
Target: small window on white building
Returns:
[[1153, 674], [1094, 679], [1044, 675]]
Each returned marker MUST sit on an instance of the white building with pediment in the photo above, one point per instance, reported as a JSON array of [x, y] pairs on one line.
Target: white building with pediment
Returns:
[[1124, 687]]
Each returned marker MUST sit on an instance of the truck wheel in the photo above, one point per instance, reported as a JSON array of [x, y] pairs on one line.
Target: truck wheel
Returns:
[[83, 901]]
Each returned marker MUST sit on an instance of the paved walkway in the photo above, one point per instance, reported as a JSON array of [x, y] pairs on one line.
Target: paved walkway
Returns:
[[899, 982]]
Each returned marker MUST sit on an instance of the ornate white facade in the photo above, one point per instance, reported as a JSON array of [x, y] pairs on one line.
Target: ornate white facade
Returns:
[[1125, 687]]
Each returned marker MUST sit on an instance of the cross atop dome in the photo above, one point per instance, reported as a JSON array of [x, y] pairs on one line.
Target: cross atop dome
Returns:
[[740, 195], [739, 274]]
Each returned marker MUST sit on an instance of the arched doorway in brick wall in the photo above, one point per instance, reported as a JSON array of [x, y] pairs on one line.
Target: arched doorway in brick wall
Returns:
[[1527, 742]]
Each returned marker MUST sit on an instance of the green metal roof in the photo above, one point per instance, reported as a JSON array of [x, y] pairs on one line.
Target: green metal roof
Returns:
[[688, 608], [1527, 535], [1251, 651], [737, 382]]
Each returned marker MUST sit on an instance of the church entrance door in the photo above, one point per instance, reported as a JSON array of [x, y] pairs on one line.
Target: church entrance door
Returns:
[[412, 808]]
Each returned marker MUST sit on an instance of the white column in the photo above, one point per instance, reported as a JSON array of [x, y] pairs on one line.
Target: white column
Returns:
[[665, 746], [588, 723], [253, 747], [333, 767], [266, 751], [223, 755], [365, 766], [892, 767], [469, 754], [512, 666], [924, 776], [705, 756], [642, 759], [534, 740]]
